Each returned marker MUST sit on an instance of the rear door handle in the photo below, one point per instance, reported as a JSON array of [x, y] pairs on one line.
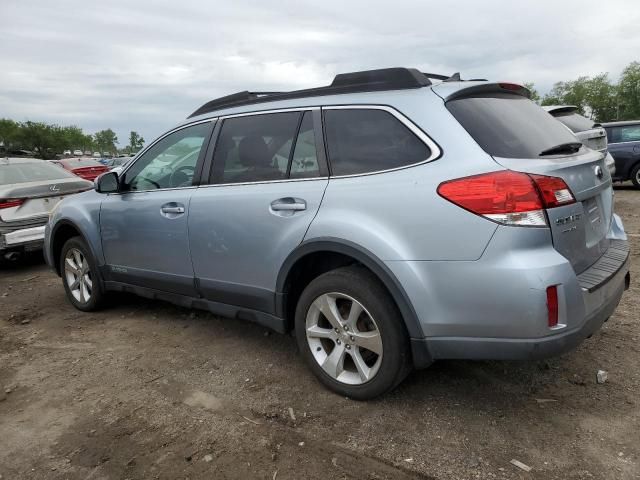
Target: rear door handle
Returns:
[[289, 204]]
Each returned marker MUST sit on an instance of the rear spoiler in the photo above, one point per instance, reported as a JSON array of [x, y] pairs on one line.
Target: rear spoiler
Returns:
[[488, 88]]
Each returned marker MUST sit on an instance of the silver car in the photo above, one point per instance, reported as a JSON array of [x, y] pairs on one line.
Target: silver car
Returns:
[[388, 219], [29, 190], [590, 133]]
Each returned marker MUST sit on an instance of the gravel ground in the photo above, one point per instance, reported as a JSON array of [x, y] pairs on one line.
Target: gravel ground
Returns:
[[148, 390]]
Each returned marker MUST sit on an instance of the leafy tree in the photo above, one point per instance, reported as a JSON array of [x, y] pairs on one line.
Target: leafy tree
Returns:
[[9, 132], [136, 142], [106, 140], [43, 139], [595, 97], [535, 96], [628, 99]]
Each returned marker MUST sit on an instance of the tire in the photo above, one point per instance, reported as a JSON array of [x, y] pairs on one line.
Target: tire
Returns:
[[635, 176], [89, 285], [335, 353]]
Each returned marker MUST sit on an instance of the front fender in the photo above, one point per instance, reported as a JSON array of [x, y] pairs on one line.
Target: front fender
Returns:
[[81, 212]]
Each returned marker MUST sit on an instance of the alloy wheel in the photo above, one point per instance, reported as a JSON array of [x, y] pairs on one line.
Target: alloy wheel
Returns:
[[78, 275], [344, 338]]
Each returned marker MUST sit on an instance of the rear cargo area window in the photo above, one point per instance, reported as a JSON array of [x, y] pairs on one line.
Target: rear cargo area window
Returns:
[[510, 126], [369, 140], [576, 122]]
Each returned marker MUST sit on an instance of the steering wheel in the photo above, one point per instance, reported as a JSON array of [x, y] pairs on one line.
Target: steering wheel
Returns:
[[155, 184], [182, 176]]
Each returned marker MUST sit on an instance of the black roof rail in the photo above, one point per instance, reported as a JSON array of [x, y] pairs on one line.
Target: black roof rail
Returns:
[[364, 81]]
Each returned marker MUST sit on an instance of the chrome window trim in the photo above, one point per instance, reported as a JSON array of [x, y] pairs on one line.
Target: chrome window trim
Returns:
[[267, 112], [285, 180], [622, 143], [144, 150], [433, 146]]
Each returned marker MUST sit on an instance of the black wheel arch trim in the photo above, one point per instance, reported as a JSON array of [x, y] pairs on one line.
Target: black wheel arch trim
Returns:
[[365, 257]]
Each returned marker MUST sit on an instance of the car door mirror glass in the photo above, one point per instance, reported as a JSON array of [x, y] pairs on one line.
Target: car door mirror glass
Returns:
[[107, 183]]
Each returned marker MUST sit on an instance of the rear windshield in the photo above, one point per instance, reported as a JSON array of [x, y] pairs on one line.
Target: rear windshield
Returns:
[[577, 123], [31, 172], [509, 126]]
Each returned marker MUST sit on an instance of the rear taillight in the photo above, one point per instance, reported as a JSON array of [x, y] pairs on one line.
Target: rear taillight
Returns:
[[507, 197], [11, 202], [552, 305]]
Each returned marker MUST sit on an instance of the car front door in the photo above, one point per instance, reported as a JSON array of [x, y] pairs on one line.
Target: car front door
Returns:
[[266, 184], [144, 225]]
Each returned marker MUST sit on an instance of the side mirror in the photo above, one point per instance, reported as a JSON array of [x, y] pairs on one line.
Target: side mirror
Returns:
[[107, 183]]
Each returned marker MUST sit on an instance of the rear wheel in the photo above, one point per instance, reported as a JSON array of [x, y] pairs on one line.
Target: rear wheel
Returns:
[[635, 176], [351, 334], [80, 275]]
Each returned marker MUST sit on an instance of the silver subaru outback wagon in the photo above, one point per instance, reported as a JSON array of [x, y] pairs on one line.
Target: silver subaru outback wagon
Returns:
[[389, 219]]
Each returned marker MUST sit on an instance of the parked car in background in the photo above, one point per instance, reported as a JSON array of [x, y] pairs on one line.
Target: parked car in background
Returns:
[[388, 220], [590, 133], [118, 164], [87, 153], [67, 153], [77, 153], [97, 155], [624, 145], [86, 168], [29, 190]]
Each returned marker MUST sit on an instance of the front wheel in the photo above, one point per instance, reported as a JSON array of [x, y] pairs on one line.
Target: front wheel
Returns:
[[80, 275], [351, 334]]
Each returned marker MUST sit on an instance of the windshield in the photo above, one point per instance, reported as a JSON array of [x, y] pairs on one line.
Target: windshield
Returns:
[[577, 123], [31, 172], [509, 126]]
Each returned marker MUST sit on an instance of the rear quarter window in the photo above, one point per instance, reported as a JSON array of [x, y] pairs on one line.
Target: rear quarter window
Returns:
[[509, 126], [369, 140]]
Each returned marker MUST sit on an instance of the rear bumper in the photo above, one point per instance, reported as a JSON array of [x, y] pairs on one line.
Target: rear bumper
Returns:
[[30, 238], [603, 301], [495, 307]]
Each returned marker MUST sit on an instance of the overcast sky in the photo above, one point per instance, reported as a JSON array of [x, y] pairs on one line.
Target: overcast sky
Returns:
[[145, 65]]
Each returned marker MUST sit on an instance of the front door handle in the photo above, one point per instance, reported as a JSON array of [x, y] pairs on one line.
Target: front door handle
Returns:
[[288, 204], [172, 209]]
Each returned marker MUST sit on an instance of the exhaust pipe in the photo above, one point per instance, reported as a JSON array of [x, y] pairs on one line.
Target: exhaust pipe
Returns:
[[12, 256]]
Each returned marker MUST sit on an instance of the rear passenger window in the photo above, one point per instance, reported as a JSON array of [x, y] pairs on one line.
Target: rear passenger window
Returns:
[[255, 148], [370, 140], [629, 133]]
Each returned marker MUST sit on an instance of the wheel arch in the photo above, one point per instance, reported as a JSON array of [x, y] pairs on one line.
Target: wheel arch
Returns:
[[340, 249], [60, 233]]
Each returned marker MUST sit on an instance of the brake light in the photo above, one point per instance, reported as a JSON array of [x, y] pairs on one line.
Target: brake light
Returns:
[[11, 202], [510, 86], [507, 197], [552, 305]]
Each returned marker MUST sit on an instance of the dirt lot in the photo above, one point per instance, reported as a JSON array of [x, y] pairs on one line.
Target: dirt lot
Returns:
[[148, 390]]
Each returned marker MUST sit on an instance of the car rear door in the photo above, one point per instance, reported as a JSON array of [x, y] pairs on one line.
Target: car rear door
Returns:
[[267, 180], [522, 137], [144, 226]]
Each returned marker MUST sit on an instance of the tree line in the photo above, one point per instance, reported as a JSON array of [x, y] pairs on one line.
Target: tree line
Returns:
[[598, 97], [47, 140]]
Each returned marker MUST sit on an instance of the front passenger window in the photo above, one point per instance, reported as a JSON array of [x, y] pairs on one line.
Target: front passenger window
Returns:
[[171, 162]]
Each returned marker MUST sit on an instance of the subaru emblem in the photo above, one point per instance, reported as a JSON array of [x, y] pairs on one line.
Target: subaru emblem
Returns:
[[599, 172]]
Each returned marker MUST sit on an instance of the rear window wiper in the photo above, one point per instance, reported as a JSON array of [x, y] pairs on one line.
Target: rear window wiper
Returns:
[[569, 147]]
